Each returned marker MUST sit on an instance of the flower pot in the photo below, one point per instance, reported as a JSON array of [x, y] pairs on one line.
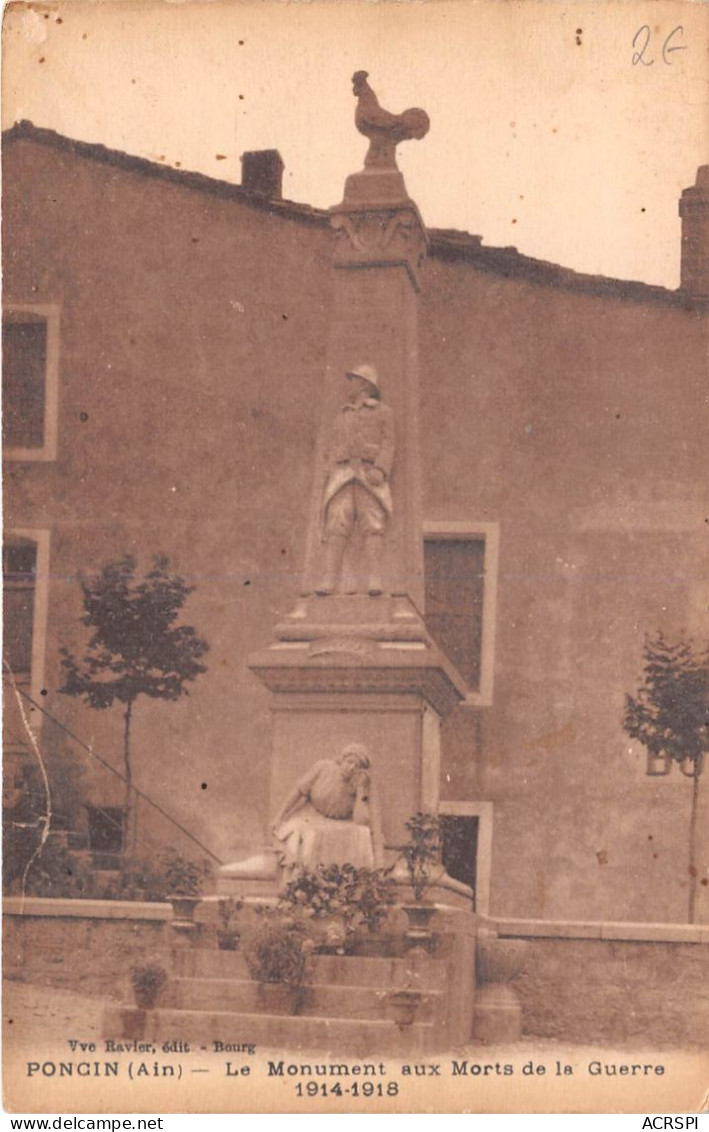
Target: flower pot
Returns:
[[148, 984], [146, 999], [404, 1006], [132, 1023], [419, 915], [419, 935], [279, 998], [228, 941]]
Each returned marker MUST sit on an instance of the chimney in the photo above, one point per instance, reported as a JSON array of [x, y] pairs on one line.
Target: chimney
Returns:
[[694, 210], [262, 173]]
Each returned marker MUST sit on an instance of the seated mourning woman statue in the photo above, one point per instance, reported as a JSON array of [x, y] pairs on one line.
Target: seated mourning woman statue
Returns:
[[331, 816]]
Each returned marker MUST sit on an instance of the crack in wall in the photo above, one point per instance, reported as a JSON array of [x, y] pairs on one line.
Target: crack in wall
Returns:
[[43, 822]]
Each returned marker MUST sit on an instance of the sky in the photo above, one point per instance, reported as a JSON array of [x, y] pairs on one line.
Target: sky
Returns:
[[563, 129]]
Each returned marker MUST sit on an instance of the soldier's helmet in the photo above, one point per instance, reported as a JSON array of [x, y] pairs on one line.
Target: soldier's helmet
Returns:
[[367, 372]]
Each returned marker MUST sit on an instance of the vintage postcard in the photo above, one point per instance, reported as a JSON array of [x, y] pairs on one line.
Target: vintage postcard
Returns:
[[356, 549]]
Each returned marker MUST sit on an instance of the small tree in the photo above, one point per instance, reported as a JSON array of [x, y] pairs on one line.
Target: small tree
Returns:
[[135, 648], [669, 715]]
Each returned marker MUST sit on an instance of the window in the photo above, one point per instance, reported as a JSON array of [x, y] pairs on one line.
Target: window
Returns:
[[30, 336], [19, 567], [25, 559], [454, 571], [460, 847], [105, 829], [24, 360], [466, 829], [460, 580]]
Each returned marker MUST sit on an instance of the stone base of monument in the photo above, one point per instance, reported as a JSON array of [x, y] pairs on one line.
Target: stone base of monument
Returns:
[[257, 875], [498, 1015], [374, 188], [349, 616], [350, 1004]]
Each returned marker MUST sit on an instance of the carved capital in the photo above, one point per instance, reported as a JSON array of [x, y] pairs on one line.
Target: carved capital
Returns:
[[380, 238]]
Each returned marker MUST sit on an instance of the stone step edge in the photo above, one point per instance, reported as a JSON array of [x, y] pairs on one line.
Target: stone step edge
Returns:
[[436, 966], [436, 992], [306, 1019]]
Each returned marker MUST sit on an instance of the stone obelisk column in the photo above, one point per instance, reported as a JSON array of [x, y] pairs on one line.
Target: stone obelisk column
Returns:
[[379, 248], [351, 664]]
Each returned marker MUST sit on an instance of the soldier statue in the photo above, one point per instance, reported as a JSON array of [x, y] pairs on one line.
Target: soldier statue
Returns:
[[357, 492]]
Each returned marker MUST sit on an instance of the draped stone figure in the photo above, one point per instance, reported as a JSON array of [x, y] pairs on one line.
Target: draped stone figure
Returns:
[[331, 815]]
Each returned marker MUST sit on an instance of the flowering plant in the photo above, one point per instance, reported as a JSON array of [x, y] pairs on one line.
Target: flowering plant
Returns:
[[353, 896], [280, 950], [182, 876]]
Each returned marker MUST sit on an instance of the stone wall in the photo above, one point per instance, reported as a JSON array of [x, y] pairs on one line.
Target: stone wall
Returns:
[[582, 982], [590, 460], [191, 357], [609, 987], [88, 946]]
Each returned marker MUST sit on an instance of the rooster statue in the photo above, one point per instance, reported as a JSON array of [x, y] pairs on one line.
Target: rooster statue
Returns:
[[383, 129]]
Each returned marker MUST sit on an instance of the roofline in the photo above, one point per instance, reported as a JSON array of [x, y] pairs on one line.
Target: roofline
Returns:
[[452, 245], [199, 182], [445, 244]]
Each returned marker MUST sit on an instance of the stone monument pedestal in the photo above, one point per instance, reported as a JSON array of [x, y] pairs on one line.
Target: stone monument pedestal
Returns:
[[347, 669], [358, 686], [359, 669]]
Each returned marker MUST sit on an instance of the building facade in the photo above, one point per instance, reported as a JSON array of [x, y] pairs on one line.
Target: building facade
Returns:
[[164, 344]]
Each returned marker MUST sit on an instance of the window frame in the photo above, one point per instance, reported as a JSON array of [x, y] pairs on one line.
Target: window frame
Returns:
[[489, 533], [48, 451], [40, 536]]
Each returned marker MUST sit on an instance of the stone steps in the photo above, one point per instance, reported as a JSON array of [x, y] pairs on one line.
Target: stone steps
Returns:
[[353, 1037], [317, 999], [345, 1006], [333, 970]]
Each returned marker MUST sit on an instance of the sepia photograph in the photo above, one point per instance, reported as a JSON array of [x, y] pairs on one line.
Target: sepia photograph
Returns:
[[355, 409]]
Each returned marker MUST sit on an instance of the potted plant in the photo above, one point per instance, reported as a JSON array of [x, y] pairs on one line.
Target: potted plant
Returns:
[[319, 895], [227, 935], [422, 857], [184, 880], [278, 959], [338, 899], [373, 897], [147, 982]]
